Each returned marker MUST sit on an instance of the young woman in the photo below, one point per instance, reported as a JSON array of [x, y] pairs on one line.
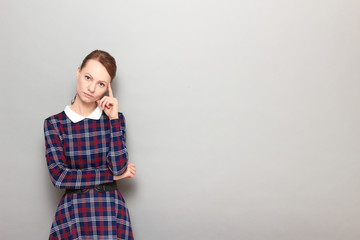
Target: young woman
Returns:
[[85, 153]]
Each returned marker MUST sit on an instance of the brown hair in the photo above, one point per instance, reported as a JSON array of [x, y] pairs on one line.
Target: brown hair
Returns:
[[105, 59]]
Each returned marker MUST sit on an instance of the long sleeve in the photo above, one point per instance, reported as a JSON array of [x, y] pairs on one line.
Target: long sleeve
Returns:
[[62, 176], [118, 155]]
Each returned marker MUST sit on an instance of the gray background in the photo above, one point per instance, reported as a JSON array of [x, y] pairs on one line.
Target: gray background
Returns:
[[242, 116]]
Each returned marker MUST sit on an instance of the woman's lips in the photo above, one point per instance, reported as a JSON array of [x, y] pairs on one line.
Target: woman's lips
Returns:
[[89, 96]]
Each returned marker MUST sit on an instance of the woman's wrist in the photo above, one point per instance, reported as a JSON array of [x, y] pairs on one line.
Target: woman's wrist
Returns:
[[118, 177]]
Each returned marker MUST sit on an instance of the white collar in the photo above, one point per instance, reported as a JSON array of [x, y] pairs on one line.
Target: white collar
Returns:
[[74, 117]]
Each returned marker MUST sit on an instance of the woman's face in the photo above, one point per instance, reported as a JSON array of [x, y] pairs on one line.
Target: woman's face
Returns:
[[92, 81]]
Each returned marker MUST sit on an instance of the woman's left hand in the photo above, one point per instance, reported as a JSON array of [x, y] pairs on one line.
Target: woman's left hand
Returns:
[[109, 104], [129, 173]]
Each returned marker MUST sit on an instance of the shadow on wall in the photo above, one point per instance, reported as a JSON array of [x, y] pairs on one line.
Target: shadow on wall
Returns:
[[127, 187]]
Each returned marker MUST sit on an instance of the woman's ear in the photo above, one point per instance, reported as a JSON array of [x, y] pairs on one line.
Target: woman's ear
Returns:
[[78, 73]]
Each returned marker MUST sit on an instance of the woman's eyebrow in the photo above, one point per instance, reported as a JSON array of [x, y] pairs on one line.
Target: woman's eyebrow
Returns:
[[92, 77], [89, 74]]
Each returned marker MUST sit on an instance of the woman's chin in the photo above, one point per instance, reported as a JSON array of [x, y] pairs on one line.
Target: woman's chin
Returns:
[[87, 100]]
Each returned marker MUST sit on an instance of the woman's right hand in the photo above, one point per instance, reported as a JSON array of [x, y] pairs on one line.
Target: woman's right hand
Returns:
[[129, 173]]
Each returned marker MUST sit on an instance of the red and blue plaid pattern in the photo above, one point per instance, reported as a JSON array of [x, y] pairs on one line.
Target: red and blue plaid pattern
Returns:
[[82, 155]]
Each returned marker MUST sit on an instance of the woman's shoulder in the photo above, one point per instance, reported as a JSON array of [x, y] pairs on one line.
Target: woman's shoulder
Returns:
[[57, 117]]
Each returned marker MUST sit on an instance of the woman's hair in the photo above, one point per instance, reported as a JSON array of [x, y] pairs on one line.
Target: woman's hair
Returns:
[[105, 59]]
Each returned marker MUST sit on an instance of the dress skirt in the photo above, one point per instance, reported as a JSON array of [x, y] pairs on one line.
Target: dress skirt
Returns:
[[91, 215]]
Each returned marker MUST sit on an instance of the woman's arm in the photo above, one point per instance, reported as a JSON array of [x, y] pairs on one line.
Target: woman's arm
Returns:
[[61, 175], [117, 157]]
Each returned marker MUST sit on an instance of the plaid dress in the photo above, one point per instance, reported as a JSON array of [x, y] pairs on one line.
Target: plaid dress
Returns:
[[82, 153]]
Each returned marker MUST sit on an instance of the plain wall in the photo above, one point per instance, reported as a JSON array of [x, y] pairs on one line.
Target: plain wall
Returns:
[[242, 116]]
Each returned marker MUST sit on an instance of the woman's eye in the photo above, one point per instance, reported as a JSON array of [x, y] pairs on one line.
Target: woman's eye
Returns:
[[87, 77], [103, 85]]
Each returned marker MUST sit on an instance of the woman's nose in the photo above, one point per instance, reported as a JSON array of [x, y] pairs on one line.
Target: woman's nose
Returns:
[[91, 87]]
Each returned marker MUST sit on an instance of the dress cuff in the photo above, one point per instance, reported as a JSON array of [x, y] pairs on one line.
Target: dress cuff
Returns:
[[115, 125]]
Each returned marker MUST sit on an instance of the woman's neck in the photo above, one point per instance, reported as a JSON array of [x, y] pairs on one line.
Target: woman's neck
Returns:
[[82, 108]]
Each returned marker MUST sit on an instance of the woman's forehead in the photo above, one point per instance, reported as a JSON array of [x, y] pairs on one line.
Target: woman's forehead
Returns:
[[96, 70]]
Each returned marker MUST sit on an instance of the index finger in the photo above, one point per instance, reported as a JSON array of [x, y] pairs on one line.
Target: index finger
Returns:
[[110, 91]]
